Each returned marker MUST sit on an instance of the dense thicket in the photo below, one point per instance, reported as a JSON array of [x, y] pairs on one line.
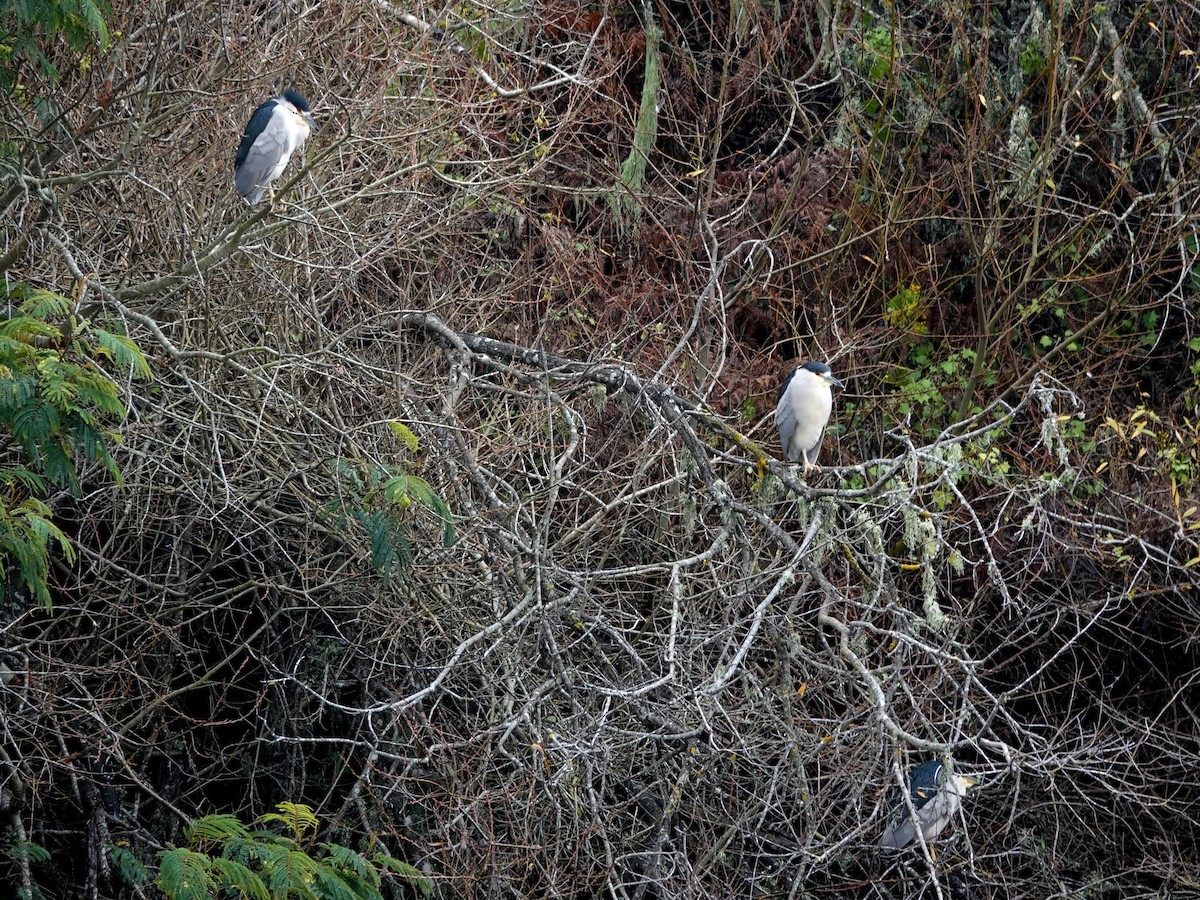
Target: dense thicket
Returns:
[[544, 266]]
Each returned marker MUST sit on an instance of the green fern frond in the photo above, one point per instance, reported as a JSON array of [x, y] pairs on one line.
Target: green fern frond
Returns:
[[409, 873], [59, 391], [264, 865], [233, 874], [294, 872], [347, 473], [391, 552], [59, 467], [218, 827], [18, 475], [396, 490], [43, 304], [100, 394], [419, 490], [16, 389], [422, 491], [335, 887], [17, 333], [348, 861], [25, 533], [127, 866], [253, 848], [124, 352], [296, 817], [406, 436], [35, 424], [35, 853], [183, 874], [46, 531]]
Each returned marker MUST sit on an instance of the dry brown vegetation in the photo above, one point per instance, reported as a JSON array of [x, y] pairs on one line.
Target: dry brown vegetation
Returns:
[[651, 662]]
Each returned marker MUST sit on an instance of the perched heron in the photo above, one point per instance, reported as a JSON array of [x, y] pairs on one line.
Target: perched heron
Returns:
[[277, 129], [802, 411], [935, 793]]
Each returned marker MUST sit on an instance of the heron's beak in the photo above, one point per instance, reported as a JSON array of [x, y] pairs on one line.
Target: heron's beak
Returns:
[[834, 383], [312, 123]]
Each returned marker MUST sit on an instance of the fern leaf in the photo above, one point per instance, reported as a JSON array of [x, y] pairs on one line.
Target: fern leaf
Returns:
[[183, 874], [127, 866], [30, 481], [216, 828], [346, 472], [335, 887], [33, 852], [409, 873], [292, 872], [41, 304], [348, 861], [396, 490], [296, 817], [16, 390], [420, 490], [231, 873], [406, 436], [389, 549], [124, 352]]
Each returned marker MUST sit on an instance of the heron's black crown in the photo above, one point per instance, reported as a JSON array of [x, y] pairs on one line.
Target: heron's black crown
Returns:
[[296, 99]]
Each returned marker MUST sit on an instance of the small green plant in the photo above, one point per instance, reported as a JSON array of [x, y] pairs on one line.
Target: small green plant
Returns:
[[908, 311], [28, 26], [284, 859], [1172, 451], [878, 53], [57, 402], [926, 386], [380, 500], [1032, 60], [125, 865], [1191, 394]]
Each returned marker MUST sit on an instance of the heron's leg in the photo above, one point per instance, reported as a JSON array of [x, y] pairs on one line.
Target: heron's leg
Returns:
[[809, 466]]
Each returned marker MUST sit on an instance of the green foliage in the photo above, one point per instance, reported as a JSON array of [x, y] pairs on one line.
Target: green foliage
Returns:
[[295, 817], [184, 874], [405, 436], [56, 403], [380, 500], [908, 310], [28, 28], [1191, 395], [1192, 242], [879, 52], [1173, 451], [408, 872], [1032, 61], [264, 864], [35, 853], [128, 868], [928, 385], [214, 829], [748, 411]]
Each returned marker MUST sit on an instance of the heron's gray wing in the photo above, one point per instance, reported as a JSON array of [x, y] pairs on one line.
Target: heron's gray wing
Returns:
[[785, 421], [923, 787], [899, 833], [262, 156]]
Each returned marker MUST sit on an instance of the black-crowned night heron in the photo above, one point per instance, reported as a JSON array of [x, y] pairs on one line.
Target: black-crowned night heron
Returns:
[[277, 129], [935, 793], [802, 411]]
